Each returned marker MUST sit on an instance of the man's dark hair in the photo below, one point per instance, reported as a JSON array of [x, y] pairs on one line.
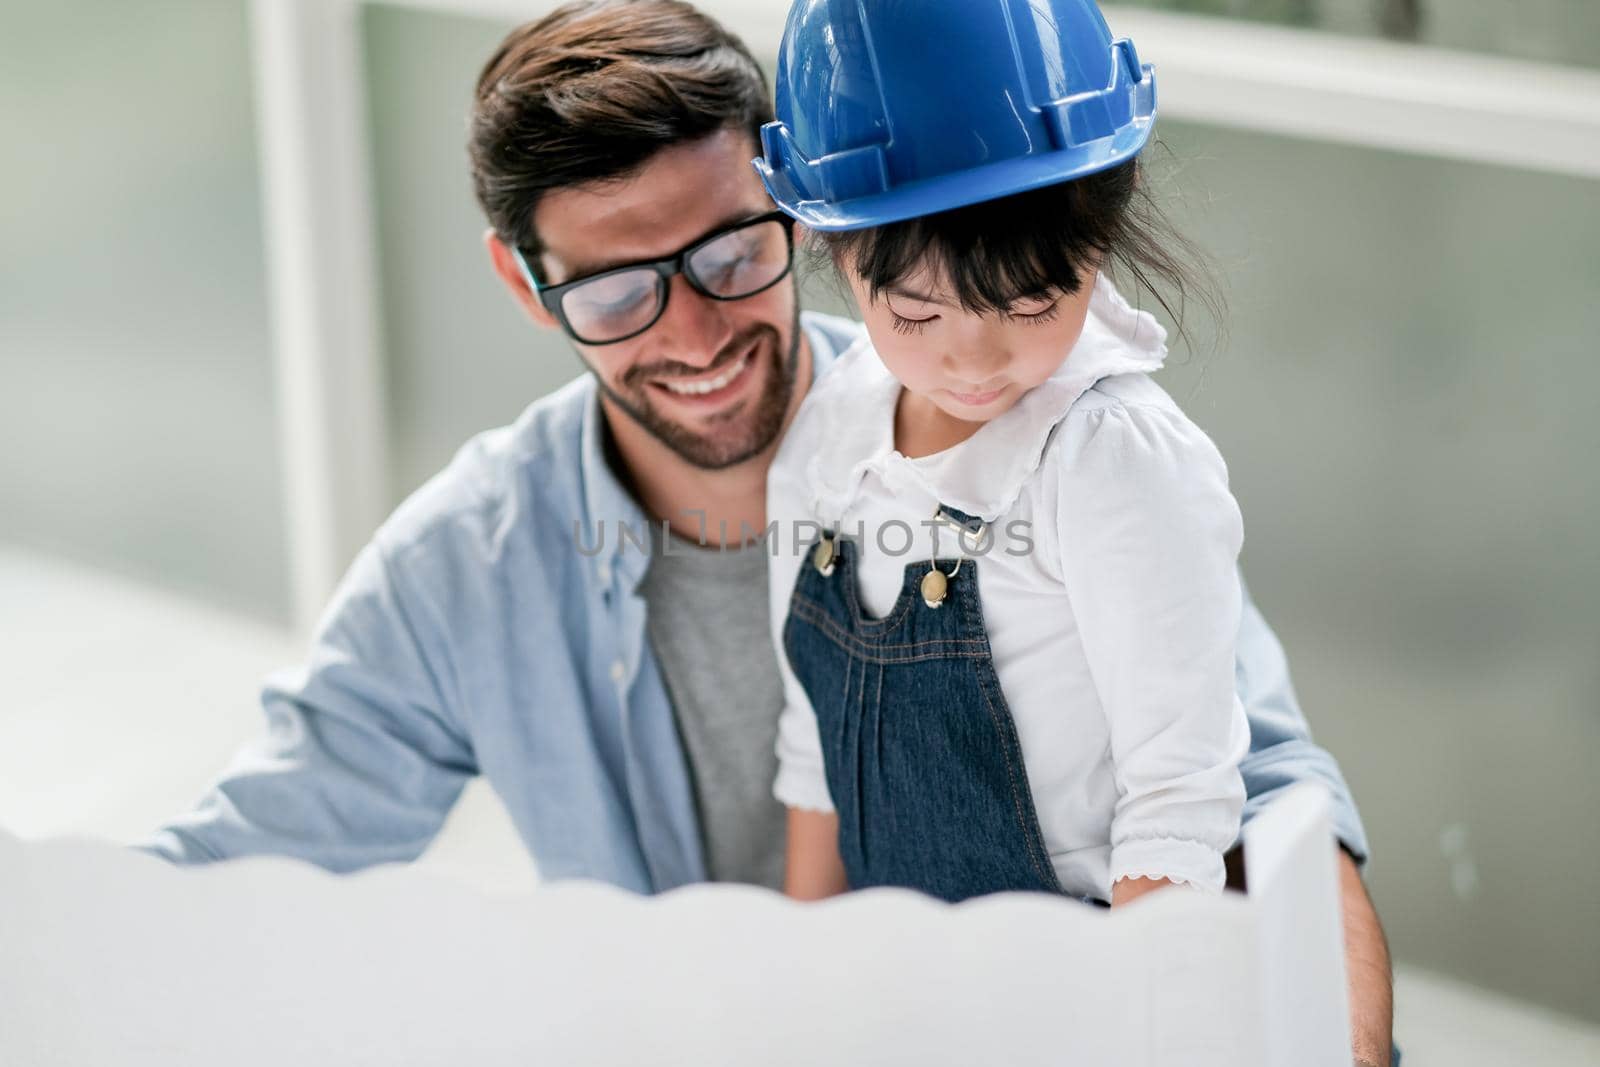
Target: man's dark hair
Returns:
[[997, 253], [594, 89]]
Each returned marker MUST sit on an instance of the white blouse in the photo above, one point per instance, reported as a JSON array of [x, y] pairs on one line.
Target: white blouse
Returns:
[[1110, 590]]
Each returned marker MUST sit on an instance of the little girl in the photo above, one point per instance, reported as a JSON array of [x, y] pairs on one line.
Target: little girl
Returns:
[[1009, 657]]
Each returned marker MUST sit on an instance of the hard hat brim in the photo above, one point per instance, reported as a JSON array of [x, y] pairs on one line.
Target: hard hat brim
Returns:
[[932, 196]]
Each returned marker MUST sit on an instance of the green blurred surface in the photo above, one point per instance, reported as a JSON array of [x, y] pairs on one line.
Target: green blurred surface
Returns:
[[137, 427]]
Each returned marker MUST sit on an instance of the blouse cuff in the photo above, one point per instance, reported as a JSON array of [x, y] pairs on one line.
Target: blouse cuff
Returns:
[[801, 786], [1177, 859]]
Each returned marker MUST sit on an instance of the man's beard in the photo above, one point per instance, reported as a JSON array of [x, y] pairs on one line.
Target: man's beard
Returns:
[[761, 418]]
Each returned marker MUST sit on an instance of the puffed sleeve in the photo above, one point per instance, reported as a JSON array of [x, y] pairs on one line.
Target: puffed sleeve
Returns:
[[801, 781], [1149, 537]]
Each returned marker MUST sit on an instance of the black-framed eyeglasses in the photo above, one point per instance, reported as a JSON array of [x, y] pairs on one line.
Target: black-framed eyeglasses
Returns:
[[735, 262]]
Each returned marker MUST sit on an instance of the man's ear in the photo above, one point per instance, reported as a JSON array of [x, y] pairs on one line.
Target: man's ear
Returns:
[[510, 271]]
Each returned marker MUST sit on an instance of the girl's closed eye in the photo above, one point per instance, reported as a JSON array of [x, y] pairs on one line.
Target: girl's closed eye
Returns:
[[903, 325], [1035, 311], [908, 316]]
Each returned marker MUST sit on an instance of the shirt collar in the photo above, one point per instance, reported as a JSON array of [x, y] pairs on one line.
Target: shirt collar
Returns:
[[608, 506], [858, 403]]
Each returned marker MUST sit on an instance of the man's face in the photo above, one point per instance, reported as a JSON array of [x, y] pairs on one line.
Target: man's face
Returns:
[[711, 379]]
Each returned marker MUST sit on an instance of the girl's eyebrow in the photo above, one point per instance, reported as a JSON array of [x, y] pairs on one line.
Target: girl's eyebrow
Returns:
[[912, 294]]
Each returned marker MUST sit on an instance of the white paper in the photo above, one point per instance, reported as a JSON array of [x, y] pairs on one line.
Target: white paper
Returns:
[[108, 956]]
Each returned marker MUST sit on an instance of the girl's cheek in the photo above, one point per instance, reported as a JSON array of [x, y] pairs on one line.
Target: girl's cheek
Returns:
[[902, 367]]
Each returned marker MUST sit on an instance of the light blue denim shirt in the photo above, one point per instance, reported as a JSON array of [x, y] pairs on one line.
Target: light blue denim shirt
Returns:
[[482, 632]]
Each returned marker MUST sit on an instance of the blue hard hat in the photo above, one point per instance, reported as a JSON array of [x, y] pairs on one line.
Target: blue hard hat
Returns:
[[892, 109]]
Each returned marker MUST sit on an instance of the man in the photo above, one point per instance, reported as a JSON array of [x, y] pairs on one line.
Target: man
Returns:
[[509, 621]]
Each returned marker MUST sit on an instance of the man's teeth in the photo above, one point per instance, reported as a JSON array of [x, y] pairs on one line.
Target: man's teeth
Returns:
[[710, 385]]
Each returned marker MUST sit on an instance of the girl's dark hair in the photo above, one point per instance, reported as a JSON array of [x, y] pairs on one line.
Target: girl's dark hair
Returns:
[[1030, 244], [594, 89]]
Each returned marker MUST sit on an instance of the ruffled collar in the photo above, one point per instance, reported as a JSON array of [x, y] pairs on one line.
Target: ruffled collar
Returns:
[[984, 475]]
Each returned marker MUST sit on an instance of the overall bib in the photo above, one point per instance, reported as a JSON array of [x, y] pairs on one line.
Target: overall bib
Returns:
[[922, 756]]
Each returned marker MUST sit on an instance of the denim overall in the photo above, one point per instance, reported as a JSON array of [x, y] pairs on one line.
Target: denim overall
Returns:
[[922, 757]]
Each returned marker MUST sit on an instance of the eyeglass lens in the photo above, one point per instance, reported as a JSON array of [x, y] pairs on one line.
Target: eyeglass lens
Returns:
[[735, 264], [741, 261], [615, 305]]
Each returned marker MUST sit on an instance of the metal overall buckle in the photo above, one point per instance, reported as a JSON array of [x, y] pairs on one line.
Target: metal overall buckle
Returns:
[[936, 583]]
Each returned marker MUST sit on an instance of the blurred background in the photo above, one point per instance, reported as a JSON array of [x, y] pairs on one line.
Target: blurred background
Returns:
[[1404, 392]]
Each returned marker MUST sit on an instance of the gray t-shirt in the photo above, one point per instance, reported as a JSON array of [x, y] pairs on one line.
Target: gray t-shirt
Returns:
[[707, 623]]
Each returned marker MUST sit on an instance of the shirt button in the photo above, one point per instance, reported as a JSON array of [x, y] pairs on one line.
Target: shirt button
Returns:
[[618, 671], [605, 574]]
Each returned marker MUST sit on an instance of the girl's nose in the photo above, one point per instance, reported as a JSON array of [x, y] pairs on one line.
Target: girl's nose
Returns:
[[978, 357]]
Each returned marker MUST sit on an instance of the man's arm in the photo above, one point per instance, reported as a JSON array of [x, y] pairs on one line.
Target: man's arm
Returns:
[[361, 761], [1281, 754], [1366, 960]]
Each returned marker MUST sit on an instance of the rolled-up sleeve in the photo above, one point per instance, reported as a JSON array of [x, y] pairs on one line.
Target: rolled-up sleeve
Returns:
[[1282, 751], [1149, 541]]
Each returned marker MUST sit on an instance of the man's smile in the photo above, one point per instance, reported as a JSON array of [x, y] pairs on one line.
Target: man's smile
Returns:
[[715, 389], [706, 385]]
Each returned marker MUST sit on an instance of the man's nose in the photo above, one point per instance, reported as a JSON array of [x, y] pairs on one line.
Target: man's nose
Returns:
[[694, 328]]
